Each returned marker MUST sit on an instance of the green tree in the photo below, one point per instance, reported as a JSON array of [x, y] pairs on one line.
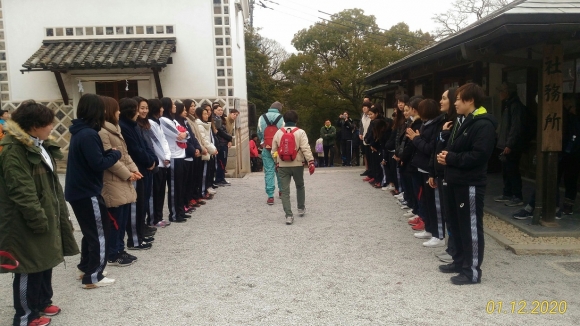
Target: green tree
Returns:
[[327, 76]]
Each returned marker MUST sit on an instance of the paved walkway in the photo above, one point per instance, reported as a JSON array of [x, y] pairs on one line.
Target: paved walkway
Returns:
[[352, 260]]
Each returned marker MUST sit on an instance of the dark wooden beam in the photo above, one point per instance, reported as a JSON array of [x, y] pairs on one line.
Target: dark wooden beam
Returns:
[[61, 87], [157, 82], [472, 55]]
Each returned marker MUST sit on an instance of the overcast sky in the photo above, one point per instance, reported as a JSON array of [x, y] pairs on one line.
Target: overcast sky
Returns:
[[290, 16]]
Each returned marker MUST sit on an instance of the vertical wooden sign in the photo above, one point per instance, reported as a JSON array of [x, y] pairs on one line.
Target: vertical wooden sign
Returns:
[[551, 93]]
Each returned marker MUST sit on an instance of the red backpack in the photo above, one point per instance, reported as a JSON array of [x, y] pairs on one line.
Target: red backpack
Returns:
[[270, 131], [287, 149]]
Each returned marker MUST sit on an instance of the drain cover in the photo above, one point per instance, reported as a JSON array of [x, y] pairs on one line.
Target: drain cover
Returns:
[[572, 266]]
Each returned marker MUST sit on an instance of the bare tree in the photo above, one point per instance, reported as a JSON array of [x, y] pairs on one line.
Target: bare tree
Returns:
[[276, 56], [462, 13]]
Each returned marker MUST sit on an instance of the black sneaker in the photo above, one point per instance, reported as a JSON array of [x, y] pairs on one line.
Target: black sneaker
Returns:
[[522, 214], [128, 256], [214, 186], [120, 261], [462, 280], [142, 246], [149, 239], [179, 220], [364, 174], [515, 202], [449, 268], [224, 183]]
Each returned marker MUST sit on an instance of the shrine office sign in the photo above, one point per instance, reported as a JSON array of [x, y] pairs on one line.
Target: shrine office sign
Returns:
[[551, 119]]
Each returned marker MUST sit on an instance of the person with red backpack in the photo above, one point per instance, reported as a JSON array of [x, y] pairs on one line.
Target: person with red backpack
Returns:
[[268, 125], [293, 149]]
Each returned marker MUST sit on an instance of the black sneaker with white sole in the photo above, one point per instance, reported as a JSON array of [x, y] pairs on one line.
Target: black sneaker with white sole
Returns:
[[142, 246], [522, 214], [128, 256], [120, 261]]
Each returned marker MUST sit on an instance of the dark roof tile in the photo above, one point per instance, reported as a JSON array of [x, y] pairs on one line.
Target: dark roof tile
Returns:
[[102, 54]]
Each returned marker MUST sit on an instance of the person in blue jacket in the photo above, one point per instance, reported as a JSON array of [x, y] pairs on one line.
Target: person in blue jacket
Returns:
[[87, 160], [146, 161]]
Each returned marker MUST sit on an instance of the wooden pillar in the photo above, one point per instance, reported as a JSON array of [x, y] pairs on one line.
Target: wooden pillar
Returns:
[[157, 83], [551, 129], [61, 87]]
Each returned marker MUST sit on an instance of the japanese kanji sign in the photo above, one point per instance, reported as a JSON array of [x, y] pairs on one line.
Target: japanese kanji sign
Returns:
[[551, 94]]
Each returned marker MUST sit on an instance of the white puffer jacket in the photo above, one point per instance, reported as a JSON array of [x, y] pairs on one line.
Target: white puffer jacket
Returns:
[[205, 135]]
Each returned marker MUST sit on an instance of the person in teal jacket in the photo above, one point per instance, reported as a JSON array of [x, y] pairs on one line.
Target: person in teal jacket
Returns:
[[270, 174]]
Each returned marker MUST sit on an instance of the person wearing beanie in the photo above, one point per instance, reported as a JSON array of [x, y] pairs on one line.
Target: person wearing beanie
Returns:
[[272, 119]]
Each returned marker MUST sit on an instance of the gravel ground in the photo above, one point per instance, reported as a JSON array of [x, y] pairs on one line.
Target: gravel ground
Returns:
[[517, 236], [352, 260]]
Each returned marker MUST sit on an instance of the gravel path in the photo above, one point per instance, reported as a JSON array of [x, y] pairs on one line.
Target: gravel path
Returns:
[[352, 260], [517, 236]]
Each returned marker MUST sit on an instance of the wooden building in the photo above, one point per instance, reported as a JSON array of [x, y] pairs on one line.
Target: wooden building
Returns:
[[532, 43]]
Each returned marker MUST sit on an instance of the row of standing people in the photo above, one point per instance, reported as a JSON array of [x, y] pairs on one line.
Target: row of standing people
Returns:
[[123, 159], [433, 158]]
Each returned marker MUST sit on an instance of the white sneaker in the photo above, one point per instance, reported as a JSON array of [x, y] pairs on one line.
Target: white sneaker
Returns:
[[212, 191], [446, 258], [413, 217], [389, 187], [81, 274], [399, 196], [385, 188], [289, 220], [301, 212], [424, 235], [434, 243], [409, 214], [104, 282]]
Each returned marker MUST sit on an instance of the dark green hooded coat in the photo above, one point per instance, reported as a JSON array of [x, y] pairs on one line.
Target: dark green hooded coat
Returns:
[[34, 220]]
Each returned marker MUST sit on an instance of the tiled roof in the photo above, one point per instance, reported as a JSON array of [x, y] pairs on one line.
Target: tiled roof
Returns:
[[542, 14], [102, 54]]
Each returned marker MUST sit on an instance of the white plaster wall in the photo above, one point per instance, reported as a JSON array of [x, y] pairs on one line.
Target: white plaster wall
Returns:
[[238, 53], [191, 74]]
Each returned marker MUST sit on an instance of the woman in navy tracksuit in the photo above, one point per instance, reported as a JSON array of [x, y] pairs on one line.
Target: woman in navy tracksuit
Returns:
[[424, 142], [146, 161], [87, 160], [465, 158], [436, 175]]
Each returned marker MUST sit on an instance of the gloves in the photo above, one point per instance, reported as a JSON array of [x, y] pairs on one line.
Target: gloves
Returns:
[[311, 167]]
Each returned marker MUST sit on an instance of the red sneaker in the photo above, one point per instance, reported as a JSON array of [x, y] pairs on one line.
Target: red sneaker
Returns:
[[415, 221], [40, 321], [270, 201], [367, 179], [419, 226], [51, 310]]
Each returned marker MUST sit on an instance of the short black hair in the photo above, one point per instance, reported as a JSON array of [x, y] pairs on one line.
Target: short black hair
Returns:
[[32, 115], [415, 100], [428, 109], [204, 105], [291, 116], [128, 108], [91, 110], [154, 107], [253, 136], [139, 99], [470, 91]]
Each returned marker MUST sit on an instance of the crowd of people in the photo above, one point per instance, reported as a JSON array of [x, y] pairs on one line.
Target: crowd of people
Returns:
[[124, 158], [433, 158]]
